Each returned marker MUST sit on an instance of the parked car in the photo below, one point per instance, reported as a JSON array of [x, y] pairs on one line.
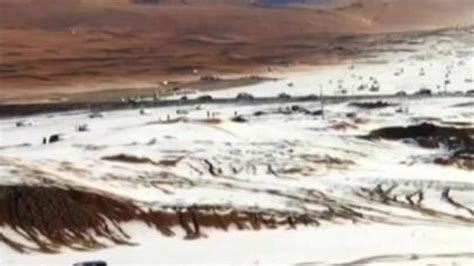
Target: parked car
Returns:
[[312, 97], [91, 263], [24, 123], [82, 128], [182, 112], [210, 78], [362, 87], [374, 88], [53, 138], [284, 96], [96, 115], [244, 96], [205, 98], [239, 119], [351, 115], [470, 92], [401, 93], [145, 112], [423, 92]]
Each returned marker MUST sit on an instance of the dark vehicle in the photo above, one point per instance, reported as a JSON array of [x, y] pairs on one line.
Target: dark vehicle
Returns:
[[316, 113], [312, 97], [470, 92], [24, 123], [255, 77], [183, 98], [351, 115], [284, 96], [52, 138], [210, 78], [401, 93], [244, 96], [374, 88], [82, 128], [259, 113], [96, 115], [362, 87], [423, 92], [205, 98], [239, 119], [91, 263]]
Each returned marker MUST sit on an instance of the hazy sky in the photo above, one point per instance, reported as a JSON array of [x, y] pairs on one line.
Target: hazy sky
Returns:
[[280, 2]]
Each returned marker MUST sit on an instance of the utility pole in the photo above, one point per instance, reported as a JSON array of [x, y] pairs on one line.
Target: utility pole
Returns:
[[321, 97], [446, 82]]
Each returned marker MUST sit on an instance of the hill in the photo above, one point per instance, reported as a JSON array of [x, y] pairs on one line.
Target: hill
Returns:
[[70, 45]]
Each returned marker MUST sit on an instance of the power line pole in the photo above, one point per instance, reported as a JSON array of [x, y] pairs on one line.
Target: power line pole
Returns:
[[321, 97]]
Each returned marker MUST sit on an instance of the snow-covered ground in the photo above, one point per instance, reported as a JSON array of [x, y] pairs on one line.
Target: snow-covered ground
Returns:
[[308, 246], [297, 148], [278, 158]]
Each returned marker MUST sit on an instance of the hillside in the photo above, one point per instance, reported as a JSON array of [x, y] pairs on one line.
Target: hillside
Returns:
[[70, 45]]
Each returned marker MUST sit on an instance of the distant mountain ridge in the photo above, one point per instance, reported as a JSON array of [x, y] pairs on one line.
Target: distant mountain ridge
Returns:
[[251, 2], [288, 2]]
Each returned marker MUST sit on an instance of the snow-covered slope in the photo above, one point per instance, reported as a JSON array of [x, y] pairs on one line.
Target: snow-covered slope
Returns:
[[281, 160]]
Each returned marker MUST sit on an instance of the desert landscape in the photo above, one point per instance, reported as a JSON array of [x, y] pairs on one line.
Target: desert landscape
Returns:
[[236, 132], [71, 46]]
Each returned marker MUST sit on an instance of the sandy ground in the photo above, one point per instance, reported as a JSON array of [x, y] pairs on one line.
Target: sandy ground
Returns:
[[397, 60], [83, 46]]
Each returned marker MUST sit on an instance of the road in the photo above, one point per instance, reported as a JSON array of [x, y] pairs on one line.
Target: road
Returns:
[[10, 110]]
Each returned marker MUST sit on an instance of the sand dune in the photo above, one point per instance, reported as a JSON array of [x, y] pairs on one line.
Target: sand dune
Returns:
[[49, 45]]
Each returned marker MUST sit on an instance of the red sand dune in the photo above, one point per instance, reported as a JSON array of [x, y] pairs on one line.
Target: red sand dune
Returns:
[[49, 46]]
